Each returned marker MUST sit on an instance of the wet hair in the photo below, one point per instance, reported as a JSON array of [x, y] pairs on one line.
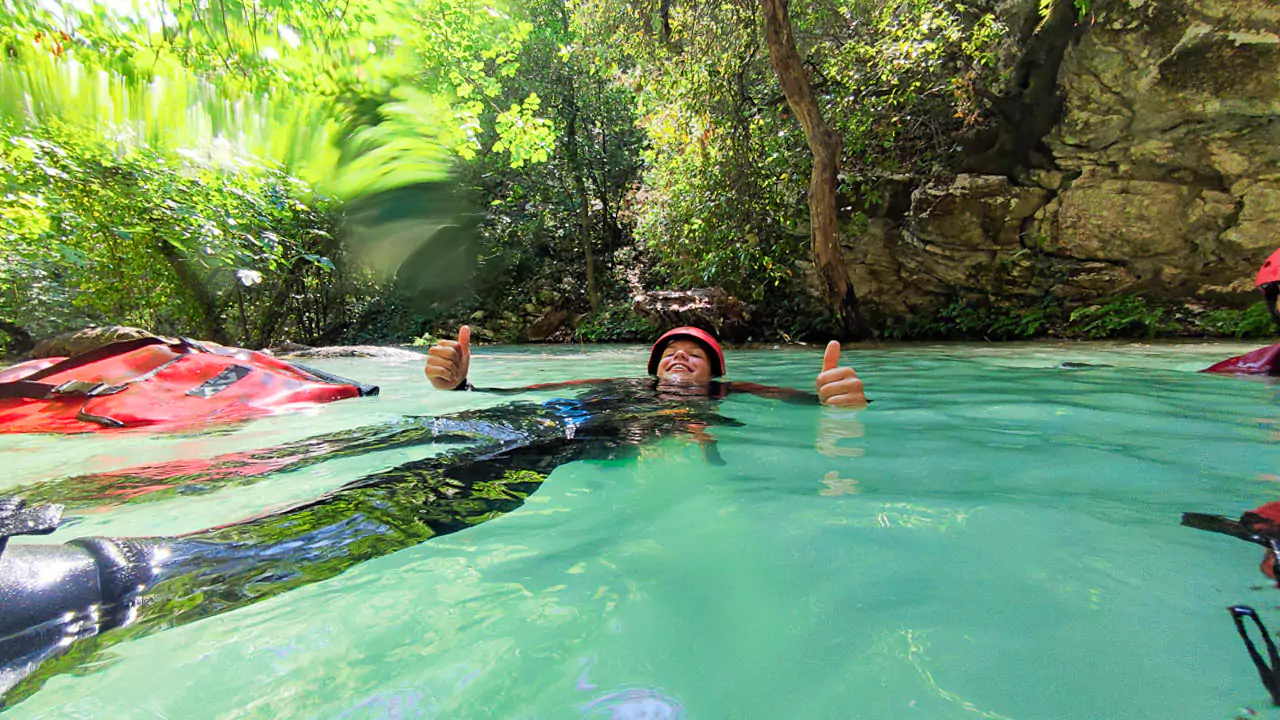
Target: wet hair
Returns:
[[1272, 291]]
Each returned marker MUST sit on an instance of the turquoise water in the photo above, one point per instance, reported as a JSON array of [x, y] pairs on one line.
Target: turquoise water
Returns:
[[996, 537]]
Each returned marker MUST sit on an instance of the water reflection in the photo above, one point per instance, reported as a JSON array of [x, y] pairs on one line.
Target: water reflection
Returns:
[[835, 429], [837, 486], [908, 515]]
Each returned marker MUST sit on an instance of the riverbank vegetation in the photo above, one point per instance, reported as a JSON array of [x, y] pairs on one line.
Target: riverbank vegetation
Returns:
[[382, 170]]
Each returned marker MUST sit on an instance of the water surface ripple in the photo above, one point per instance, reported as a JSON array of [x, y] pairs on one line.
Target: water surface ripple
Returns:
[[996, 537]]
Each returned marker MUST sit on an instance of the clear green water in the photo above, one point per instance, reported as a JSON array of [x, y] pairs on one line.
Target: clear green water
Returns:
[[996, 537]]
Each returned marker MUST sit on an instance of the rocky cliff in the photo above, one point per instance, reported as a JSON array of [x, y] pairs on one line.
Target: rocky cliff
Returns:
[[1164, 177]]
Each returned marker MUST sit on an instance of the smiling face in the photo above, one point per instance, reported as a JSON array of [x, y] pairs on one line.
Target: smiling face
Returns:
[[685, 362]]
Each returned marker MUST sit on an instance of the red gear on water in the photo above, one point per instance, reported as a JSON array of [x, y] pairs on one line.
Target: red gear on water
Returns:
[[154, 384], [702, 337], [1263, 361]]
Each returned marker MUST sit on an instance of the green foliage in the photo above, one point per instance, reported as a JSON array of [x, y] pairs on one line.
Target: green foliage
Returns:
[[245, 80], [280, 80], [970, 320], [149, 174], [723, 197], [1123, 316], [1083, 8], [907, 72], [1252, 322], [792, 312], [319, 47], [471, 52], [525, 136], [406, 146], [424, 340], [533, 238], [615, 324], [170, 211], [166, 243], [177, 110]]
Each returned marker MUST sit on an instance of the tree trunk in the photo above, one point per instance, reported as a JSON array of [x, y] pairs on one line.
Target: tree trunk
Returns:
[[190, 279], [582, 200], [1033, 103], [579, 183], [825, 144]]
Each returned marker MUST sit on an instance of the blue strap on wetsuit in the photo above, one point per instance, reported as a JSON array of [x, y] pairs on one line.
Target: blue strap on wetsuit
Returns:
[[573, 412]]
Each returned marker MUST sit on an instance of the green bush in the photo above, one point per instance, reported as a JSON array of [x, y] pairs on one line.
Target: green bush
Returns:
[[1252, 322], [174, 244], [961, 320], [617, 323], [1123, 316]]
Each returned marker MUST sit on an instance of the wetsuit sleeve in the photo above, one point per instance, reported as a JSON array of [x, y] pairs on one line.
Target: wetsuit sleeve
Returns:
[[772, 392], [531, 388]]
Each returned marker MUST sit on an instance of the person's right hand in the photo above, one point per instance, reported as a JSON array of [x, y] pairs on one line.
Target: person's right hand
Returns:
[[449, 360], [839, 386]]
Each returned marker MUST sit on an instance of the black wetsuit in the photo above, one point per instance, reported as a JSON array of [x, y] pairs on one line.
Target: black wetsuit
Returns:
[[155, 583]]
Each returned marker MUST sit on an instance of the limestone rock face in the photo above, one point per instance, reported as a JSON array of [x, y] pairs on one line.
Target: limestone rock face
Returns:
[[1172, 122], [973, 212], [1258, 227], [963, 233], [1162, 233], [958, 236], [710, 308], [1166, 177], [1175, 86]]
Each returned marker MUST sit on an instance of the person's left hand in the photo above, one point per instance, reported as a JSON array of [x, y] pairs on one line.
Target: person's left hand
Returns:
[[839, 386]]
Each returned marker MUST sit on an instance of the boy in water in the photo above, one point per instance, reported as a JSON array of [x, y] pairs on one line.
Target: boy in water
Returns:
[[684, 361]]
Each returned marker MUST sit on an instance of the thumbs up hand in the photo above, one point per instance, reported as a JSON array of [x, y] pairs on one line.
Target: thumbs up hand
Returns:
[[449, 360], [839, 386]]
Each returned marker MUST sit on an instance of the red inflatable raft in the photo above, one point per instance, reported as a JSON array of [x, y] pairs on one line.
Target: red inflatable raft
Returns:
[[157, 384]]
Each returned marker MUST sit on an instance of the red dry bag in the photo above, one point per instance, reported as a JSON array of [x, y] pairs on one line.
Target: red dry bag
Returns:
[[158, 384]]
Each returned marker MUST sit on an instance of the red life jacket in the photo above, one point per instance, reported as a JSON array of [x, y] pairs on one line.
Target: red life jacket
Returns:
[[160, 385], [1259, 362]]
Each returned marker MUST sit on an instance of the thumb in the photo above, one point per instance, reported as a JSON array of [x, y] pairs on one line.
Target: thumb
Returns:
[[831, 357], [464, 339]]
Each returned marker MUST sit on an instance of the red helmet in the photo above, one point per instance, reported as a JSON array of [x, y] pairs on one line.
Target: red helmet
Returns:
[[702, 337], [1270, 270]]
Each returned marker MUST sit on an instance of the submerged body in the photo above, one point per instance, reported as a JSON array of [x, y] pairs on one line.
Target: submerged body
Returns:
[[510, 450]]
